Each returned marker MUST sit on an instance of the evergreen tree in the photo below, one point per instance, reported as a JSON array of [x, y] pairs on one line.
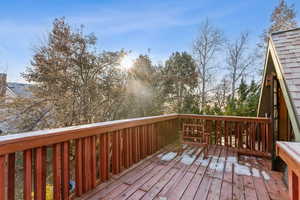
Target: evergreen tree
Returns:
[[180, 81], [143, 89]]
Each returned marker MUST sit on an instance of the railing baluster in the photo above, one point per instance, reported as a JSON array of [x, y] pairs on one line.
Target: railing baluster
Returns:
[[57, 171], [27, 162], [129, 132], [104, 152], [121, 149], [134, 145], [126, 149], [263, 134], [65, 170], [11, 176], [86, 166], [40, 174], [93, 162], [142, 141], [138, 136], [115, 153], [150, 128], [2, 177], [78, 167]]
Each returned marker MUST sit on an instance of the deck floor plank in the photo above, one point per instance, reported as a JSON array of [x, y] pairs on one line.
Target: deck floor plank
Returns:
[[216, 183], [188, 175], [191, 190]]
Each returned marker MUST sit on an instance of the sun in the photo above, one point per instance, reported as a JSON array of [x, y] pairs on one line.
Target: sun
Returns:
[[126, 62]]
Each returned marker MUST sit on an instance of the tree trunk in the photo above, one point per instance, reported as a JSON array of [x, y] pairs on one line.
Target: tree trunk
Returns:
[[233, 84], [203, 98]]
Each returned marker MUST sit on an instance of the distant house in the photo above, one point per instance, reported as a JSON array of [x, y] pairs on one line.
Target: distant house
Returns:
[[11, 90], [280, 94]]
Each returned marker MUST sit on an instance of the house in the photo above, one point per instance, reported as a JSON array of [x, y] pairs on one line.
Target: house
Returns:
[[11, 90], [280, 92]]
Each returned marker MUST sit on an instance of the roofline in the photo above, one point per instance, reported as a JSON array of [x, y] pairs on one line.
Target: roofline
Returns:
[[278, 68], [279, 32], [11, 91], [264, 77]]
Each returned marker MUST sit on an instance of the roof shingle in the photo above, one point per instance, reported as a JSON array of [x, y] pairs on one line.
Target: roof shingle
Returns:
[[287, 45]]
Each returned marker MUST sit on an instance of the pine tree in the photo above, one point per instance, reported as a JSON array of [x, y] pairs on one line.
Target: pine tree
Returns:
[[143, 89], [180, 81]]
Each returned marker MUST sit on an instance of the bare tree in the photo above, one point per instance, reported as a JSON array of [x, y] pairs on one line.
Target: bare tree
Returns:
[[239, 59], [221, 93], [283, 18], [205, 47]]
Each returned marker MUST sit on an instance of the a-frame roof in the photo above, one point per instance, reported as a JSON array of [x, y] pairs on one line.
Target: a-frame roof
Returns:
[[284, 50]]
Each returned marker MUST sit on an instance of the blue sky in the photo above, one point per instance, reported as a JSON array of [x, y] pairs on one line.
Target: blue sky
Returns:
[[164, 26]]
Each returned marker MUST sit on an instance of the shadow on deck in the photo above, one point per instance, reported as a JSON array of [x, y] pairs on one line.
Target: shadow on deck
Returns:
[[181, 172]]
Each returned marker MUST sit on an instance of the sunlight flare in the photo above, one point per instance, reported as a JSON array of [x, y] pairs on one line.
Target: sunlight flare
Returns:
[[126, 62]]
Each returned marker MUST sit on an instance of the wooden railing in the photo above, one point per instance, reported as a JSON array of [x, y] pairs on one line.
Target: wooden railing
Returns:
[[88, 155], [94, 152], [247, 135], [289, 153]]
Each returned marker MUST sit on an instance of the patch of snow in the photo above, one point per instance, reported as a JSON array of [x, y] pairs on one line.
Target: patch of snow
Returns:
[[255, 172], [241, 169], [198, 161], [163, 198], [265, 175], [213, 164], [228, 167], [187, 159], [220, 166], [205, 162], [232, 159], [222, 159], [169, 156]]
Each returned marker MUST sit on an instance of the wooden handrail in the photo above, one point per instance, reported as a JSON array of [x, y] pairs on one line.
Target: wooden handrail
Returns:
[[28, 140], [289, 153], [100, 150], [227, 118]]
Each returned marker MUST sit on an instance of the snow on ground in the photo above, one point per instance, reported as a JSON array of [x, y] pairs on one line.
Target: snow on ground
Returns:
[[241, 169], [188, 159], [255, 172], [231, 159], [169, 156], [217, 164], [265, 175]]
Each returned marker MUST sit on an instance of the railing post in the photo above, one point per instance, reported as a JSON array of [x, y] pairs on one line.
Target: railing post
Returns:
[[2, 177], [11, 176]]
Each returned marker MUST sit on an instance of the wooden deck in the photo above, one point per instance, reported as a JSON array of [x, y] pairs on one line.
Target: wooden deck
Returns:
[[181, 172]]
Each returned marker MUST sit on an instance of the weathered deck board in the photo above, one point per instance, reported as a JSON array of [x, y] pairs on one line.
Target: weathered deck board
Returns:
[[188, 175]]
